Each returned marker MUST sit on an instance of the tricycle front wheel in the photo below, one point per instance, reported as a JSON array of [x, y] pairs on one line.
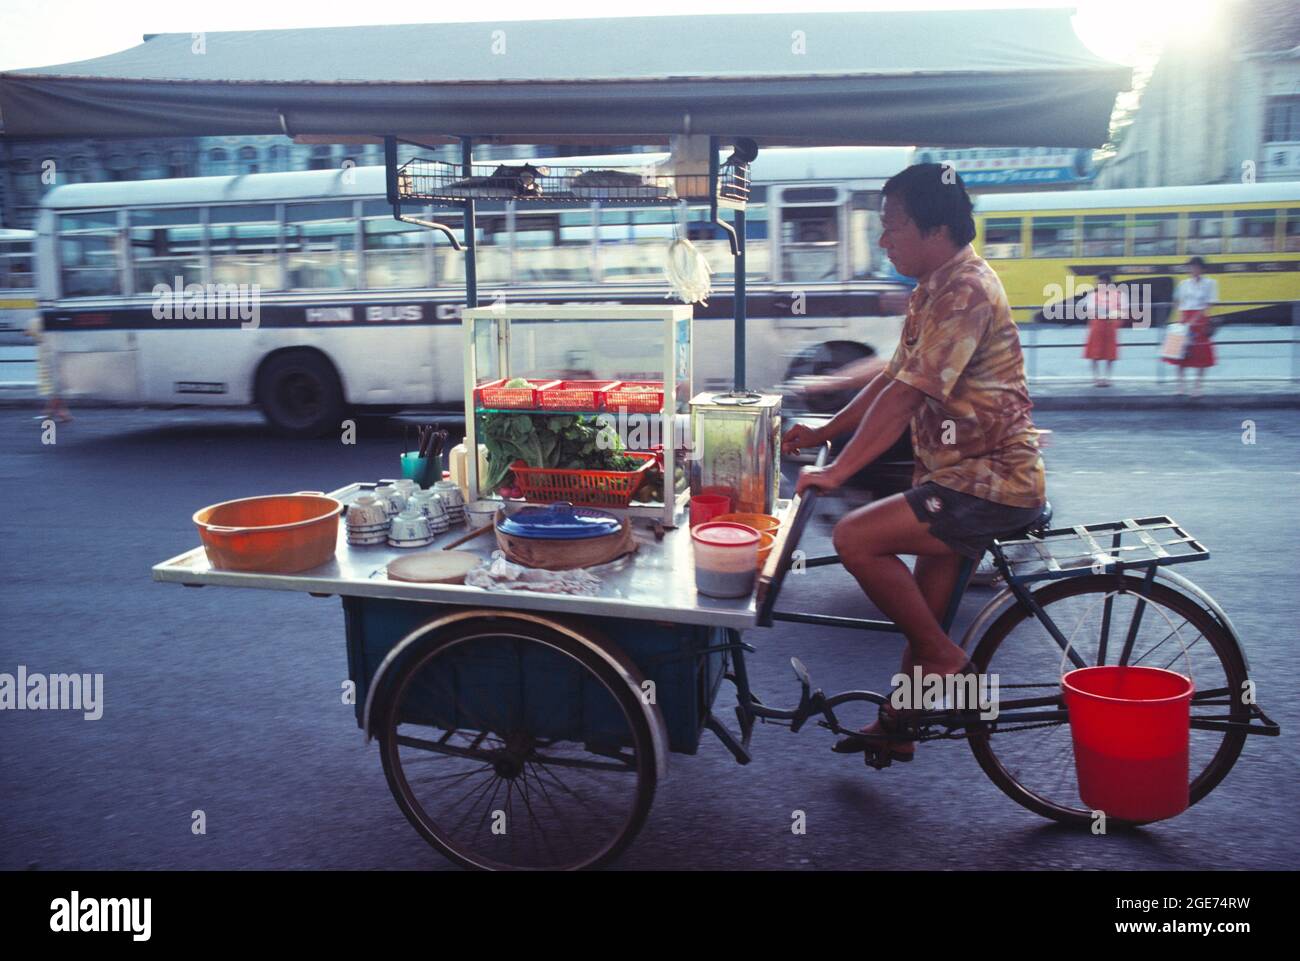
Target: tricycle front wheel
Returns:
[[509, 744]]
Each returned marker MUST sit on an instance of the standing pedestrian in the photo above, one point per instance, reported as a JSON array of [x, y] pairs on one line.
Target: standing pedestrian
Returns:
[[47, 378], [1194, 298], [1106, 306]]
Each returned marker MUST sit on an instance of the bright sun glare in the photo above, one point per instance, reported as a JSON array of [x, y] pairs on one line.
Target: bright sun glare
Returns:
[[1133, 31]]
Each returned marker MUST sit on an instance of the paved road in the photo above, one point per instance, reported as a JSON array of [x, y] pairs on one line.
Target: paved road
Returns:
[[229, 701]]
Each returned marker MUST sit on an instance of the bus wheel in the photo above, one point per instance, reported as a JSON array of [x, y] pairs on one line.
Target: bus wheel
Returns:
[[300, 394]]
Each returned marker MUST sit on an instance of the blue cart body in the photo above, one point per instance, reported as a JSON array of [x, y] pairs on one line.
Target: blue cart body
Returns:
[[502, 685]]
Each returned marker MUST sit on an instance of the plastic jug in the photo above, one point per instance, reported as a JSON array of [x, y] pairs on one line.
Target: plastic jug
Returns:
[[459, 470]]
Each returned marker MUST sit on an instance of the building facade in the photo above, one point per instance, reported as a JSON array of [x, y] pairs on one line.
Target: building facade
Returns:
[[1004, 169], [1225, 110]]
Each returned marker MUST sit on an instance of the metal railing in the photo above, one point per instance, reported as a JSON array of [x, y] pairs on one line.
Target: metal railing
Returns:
[[1030, 335]]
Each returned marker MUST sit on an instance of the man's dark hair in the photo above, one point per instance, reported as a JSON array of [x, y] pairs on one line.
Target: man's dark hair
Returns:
[[1105, 277], [934, 196], [1196, 261]]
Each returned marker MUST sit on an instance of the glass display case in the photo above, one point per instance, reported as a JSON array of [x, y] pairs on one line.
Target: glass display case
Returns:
[[594, 400]]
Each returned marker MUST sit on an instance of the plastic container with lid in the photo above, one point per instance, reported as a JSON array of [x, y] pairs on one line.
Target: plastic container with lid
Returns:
[[726, 558]]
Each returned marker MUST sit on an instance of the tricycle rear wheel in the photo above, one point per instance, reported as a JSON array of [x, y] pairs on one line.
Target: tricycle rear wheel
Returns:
[[1034, 763], [511, 745]]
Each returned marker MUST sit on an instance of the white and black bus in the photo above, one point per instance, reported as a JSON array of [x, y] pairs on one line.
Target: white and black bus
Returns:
[[331, 266]]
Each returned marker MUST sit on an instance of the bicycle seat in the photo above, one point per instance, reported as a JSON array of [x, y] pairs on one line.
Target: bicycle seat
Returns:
[[1033, 527]]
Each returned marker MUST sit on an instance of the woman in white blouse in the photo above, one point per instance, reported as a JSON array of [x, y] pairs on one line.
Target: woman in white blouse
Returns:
[[1194, 297]]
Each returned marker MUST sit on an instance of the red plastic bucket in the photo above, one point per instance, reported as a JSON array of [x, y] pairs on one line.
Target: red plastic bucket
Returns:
[[1131, 728]]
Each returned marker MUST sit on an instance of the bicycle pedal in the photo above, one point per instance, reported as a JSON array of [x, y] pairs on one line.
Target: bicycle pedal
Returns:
[[878, 759]]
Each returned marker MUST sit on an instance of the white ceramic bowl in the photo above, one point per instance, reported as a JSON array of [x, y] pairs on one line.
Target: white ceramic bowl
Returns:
[[480, 513]]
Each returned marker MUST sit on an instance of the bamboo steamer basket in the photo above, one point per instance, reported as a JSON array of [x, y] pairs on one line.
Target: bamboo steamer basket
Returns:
[[276, 534]]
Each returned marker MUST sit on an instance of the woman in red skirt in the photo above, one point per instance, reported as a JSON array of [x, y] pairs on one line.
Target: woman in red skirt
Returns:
[[1106, 307], [1195, 296]]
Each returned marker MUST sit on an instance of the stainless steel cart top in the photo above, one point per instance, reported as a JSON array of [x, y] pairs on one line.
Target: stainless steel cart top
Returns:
[[658, 584]]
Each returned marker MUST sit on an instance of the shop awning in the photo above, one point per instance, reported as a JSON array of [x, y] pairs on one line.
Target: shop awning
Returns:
[[953, 78]]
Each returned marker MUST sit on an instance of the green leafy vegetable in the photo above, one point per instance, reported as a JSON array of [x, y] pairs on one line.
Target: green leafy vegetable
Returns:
[[568, 441]]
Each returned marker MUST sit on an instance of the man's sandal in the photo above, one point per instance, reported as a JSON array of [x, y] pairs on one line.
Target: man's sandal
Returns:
[[876, 746]]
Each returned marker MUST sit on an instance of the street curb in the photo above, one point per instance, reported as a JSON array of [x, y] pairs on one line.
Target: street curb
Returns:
[[1168, 402], [1097, 399]]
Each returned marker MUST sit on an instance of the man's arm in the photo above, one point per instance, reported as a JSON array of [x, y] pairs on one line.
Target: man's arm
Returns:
[[891, 410], [890, 413], [851, 416]]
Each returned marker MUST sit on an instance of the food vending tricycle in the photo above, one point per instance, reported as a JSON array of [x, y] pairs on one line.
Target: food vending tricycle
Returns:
[[527, 726]]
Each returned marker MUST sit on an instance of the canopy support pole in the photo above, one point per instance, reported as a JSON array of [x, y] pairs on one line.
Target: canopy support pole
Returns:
[[736, 238], [471, 245]]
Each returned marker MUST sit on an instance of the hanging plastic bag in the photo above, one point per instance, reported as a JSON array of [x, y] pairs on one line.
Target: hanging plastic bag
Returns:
[[685, 268]]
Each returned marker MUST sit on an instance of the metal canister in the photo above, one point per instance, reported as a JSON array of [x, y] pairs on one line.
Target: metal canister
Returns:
[[736, 444]]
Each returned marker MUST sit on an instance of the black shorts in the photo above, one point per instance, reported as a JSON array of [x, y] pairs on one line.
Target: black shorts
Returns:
[[966, 523]]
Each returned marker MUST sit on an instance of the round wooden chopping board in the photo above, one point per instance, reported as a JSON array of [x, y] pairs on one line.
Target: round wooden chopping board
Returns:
[[434, 567]]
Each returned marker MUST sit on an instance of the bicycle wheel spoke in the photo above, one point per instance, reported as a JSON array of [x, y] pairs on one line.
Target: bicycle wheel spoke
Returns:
[[540, 833], [460, 775], [564, 787], [563, 818]]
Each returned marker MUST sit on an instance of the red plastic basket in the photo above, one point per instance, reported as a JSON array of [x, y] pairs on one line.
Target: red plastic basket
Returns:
[[590, 488], [495, 394], [576, 394], [638, 397]]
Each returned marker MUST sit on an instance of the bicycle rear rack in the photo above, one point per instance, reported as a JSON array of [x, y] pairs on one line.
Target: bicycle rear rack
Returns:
[[1079, 550]]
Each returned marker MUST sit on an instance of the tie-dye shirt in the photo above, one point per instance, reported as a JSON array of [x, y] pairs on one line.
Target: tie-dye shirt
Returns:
[[961, 348]]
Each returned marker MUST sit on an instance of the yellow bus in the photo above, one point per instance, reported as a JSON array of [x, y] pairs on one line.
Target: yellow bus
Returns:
[[17, 279], [1049, 247]]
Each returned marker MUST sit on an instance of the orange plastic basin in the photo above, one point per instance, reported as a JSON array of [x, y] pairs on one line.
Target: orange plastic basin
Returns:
[[760, 522], [277, 534]]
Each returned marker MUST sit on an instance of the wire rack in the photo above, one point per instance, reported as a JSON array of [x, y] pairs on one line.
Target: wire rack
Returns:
[[437, 180], [1100, 548]]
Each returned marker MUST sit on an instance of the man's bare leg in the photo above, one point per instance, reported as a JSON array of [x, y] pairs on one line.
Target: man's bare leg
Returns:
[[931, 586], [936, 577], [868, 542]]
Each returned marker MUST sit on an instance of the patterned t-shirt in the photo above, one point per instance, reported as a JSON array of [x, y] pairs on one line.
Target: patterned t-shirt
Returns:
[[961, 348]]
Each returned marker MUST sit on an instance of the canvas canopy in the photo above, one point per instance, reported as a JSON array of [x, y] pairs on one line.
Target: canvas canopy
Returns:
[[953, 78]]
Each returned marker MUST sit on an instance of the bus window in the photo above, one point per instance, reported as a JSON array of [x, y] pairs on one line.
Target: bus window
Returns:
[[1155, 234], [864, 233], [166, 244], [16, 266], [1103, 236], [244, 244], [396, 253], [1205, 233], [1252, 231], [1052, 237], [1002, 239], [1292, 238], [492, 247], [320, 243], [90, 254], [633, 243], [810, 248], [553, 247]]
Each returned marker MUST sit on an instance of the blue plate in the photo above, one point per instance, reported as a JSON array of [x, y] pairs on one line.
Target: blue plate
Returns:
[[560, 522]]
